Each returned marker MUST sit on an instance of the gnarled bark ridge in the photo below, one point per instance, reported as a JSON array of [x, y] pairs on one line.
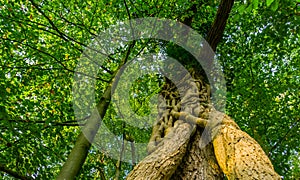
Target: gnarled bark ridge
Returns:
[[174, 148], [239, 155]]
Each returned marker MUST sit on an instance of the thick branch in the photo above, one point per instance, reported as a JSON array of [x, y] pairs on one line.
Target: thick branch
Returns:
[[239, 155], [215, 33], [163, 162]]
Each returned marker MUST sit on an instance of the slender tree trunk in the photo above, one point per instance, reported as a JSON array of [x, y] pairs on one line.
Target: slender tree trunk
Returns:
[[119, 162], [133, 154], [79, 153]]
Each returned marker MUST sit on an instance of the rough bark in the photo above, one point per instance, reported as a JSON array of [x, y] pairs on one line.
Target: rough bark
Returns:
[[163, 162], [198, 163], [173, 147], [170, 135], [216, 31], [239, 155]]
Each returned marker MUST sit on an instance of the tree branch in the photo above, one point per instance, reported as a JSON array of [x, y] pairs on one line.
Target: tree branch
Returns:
[[290, 128], [14, 174], [75, 123], [215, 33]]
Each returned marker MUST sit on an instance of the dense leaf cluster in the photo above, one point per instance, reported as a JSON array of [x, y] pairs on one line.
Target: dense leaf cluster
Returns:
[[42, 41]]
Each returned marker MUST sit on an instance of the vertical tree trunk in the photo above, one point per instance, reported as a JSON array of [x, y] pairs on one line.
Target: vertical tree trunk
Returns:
[[119, 162], [198, 163], [83, 143], [174, 143], [174, 146]]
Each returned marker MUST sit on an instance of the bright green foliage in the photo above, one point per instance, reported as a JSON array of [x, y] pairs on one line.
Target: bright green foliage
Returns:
[[294, 172], [41, 42], [260, 56]]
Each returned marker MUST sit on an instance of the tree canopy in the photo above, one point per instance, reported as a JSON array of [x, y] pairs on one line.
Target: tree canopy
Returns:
[[42, 43]]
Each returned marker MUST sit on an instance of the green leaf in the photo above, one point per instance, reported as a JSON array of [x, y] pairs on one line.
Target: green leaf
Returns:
[[275, 5], [269, 2], [255, 4], [249, 8], [241, 8]]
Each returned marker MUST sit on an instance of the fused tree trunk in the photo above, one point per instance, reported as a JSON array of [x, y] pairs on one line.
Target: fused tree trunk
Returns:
[[198, 163], [184, 112], [174, 144], [174, 148]]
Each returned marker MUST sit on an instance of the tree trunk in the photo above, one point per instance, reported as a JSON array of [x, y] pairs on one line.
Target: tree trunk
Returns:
[[83, 143], [79, 152], [174, 147], [174, 143], [198, 163]]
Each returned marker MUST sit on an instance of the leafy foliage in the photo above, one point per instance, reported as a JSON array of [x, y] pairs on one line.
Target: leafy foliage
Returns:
[[262, 68], [41, 42]]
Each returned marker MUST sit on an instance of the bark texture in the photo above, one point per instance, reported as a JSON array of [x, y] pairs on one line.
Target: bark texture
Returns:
[[175, 150], [162, 163], [198, 163], [239, 155]]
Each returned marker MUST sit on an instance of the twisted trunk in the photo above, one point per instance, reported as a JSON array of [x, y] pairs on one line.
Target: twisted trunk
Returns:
[[174, 144], [174, 147]]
